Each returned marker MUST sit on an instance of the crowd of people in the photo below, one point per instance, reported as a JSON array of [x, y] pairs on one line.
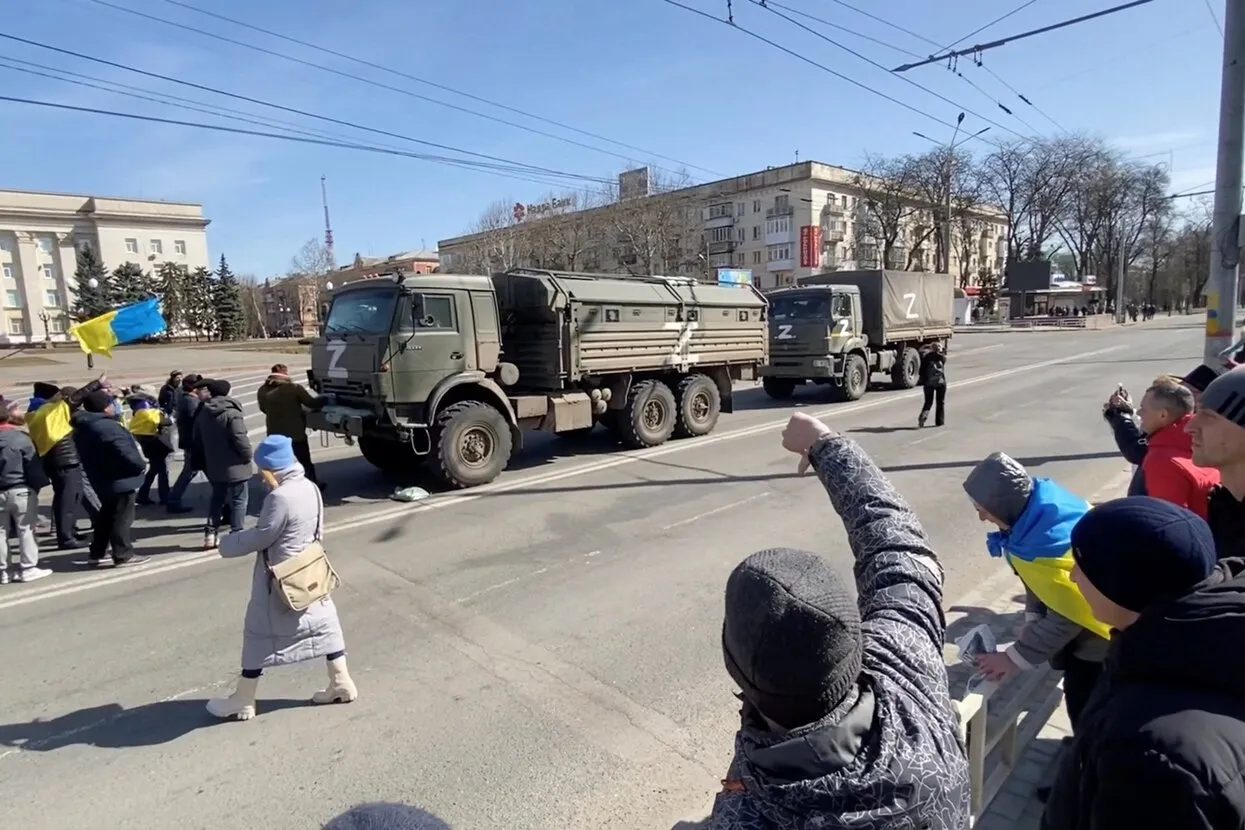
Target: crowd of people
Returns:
[[846, 717]]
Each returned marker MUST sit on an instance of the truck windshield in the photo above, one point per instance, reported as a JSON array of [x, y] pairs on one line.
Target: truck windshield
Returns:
[[800, 307], [362, 311]]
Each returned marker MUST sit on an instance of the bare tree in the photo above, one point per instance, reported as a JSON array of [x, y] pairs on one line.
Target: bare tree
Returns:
[[252, 294], [939, 174], [1157, 246], [312, 260], [661, 234], [887, 187]]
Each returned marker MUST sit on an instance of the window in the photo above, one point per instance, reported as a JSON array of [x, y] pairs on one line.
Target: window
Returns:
[[17, 325], [52, 299], [4, 245], [361, 311], [742, 258], [131, 246], [811, 306], [49, 271], [56, 324], [756, 206], [756, 257], [7, 270], [721, 234], [438, 312], [179, 247], [841, 306], [740, 236], [779, 252], [756, 231], [45, 244], [12, 298], [720, 211], [782, 202], [155, 246]]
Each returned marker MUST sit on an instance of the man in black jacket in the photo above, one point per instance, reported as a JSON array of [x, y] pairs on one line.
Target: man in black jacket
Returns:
[[1218, 431], [934, 382], [63, 466], [222, 449], [115, 469], [1161, 740], [187, 407]]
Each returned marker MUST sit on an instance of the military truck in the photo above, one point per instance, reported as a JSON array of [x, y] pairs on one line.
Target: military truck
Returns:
[[840, 328], [450, 370]]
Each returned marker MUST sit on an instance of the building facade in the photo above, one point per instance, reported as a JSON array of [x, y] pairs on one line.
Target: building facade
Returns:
[[41, 233], [780, 224], [413, 262]]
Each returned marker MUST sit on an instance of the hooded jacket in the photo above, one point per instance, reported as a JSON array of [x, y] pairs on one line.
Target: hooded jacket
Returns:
[[282, 401], [1161, 742], [221, 441], [1170, 473], [933, 371], [19, 462], [890, 756], [110, 458], [50, 426]]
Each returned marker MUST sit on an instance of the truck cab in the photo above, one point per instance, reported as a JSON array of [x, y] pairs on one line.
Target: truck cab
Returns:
[[813, 331]]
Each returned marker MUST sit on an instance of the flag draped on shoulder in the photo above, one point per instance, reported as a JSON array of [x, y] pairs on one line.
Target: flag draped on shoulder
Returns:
[[101, 334]]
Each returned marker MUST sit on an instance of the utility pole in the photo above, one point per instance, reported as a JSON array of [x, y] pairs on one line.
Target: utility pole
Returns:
[[1225, 252], [1120, 315], [950, 182]]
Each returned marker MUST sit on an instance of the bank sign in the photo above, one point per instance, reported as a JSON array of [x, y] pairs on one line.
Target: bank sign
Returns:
[[522, 211], [810, 246]]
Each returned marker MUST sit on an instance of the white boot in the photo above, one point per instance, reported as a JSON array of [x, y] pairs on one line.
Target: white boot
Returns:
[[341, 688], [238, 706]]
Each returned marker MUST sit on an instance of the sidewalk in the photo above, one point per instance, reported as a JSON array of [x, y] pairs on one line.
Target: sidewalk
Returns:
[[1034, 699]]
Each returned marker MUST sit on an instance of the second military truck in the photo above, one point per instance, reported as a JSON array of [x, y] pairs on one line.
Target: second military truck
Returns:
[[840, 328], [451, 369]]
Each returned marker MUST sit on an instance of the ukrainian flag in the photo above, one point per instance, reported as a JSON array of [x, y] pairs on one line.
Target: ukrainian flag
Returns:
[[101, 334]]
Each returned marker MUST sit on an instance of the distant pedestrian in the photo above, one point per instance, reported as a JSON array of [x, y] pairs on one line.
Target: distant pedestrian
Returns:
[[170, 393], [847, 720], [188, 404], [1218, 432], [223, 448], [153, 430], [1161, 741], [115, 468], [21, 477], [291, 520], [933, 377], [284, 404]]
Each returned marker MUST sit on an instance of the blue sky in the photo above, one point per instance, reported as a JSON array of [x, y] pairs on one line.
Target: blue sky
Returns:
[[640, 72]]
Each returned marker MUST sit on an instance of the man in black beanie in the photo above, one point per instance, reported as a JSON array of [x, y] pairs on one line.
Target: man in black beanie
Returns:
[[846, 718], [1160, 741], [1218, 431], [222, 449], [115, 469]]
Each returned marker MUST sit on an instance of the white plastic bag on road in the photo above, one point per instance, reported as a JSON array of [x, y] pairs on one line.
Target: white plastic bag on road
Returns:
[[976, 642]]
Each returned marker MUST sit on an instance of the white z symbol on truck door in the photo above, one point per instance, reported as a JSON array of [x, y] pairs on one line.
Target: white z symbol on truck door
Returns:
[[336, 349], [909, 313], [784, 331]]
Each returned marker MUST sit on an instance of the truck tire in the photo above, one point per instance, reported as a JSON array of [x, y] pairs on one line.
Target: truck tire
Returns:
[[472, 446], [907, 370], [648, 420], [389, 456], [700, 405], [780, 389], [855, 378]]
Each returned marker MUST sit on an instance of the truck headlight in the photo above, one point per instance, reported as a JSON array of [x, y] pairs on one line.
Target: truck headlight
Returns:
[[821, 363]]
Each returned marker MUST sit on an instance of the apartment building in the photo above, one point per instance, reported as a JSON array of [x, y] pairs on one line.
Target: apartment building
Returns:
[[780, 224], [40, 234]]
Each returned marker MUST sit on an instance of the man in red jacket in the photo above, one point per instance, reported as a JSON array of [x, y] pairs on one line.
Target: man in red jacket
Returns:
[[1168, 469]]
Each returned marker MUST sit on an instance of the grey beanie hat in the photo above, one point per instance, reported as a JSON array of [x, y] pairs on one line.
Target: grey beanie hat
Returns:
[[1000, 485], [1226, 395]]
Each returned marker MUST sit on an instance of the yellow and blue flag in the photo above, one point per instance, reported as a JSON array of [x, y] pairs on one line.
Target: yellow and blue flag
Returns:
[[101, 334]]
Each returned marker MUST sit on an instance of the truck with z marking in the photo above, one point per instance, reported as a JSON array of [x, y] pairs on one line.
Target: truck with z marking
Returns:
[[449, 371], [840, 328]]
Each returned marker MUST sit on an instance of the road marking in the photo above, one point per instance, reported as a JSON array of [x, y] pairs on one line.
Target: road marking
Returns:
[[715, 511], [438, 502]]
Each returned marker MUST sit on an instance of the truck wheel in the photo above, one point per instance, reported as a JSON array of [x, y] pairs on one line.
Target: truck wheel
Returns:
[[700, 404], [855, 378], [389, 456], [649, 417], [907, 371], [780, 389], [473, 444]]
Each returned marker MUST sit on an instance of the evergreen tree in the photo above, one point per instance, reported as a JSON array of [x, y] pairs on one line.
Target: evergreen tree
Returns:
[[90, 302], [128, 284], [197, 296], [227, 303], [171, 280]]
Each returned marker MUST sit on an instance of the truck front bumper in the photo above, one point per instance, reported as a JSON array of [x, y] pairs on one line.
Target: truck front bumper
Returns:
[[807, 368], [340, 420]]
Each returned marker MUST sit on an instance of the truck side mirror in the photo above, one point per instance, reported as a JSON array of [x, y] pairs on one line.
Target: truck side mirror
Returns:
[[417, 310]]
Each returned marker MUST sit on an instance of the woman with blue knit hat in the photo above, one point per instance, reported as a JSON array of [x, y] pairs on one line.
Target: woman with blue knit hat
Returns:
[[290, 521], [1161, 742]]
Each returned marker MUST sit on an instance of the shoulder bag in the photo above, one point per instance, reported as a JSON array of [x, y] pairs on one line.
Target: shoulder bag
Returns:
[[308, 577]]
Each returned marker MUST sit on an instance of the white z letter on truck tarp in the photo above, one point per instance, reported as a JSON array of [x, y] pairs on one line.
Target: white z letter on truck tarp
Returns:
[[908, 312], [784, 331], [336, 349]]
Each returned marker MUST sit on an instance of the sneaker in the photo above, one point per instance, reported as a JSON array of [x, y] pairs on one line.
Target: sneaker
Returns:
[[4, 577], [31, 574], [133, 561], [74, 544]]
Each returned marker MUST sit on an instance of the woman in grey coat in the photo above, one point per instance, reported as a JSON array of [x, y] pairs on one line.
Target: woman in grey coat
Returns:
[[291, 519]]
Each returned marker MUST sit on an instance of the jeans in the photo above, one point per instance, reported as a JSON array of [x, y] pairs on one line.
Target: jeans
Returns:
[[157, 471], [936, 397], [19, 506], [228, 499], [184, 479], [113, 526]]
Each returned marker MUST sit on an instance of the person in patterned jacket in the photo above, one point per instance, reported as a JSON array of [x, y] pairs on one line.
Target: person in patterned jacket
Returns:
[[847, 721]]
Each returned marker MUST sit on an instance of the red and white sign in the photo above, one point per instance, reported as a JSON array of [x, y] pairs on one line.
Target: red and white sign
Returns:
[[810, 246]]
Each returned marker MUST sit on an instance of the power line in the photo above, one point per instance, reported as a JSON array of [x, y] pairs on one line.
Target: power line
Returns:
[[1022, 97], [872, 62], [841, 28], [1214, 17], [390, 70], [292, 110], [257, 133], [981, 29], [40, 70], [1132, 51], [994, 44]]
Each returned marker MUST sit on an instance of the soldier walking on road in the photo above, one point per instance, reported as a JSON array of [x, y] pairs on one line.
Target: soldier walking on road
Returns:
[[934, 382], [283, 403]]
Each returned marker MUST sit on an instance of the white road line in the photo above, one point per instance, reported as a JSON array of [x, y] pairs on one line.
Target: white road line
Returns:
[[438, 502], [715, 511]]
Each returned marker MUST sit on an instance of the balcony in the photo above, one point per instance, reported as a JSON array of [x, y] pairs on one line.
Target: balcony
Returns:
[[780, 237], [724, 247], [780, 265], [719, 216], [779, 210]]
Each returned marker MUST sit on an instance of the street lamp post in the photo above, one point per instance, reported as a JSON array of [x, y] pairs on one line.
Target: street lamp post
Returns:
[[950, 179]]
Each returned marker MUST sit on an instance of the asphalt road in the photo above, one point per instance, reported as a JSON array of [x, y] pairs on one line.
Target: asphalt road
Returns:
[[541, 653]]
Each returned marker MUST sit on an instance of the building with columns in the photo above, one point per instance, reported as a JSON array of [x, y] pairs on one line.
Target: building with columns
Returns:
[[40, 234]]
